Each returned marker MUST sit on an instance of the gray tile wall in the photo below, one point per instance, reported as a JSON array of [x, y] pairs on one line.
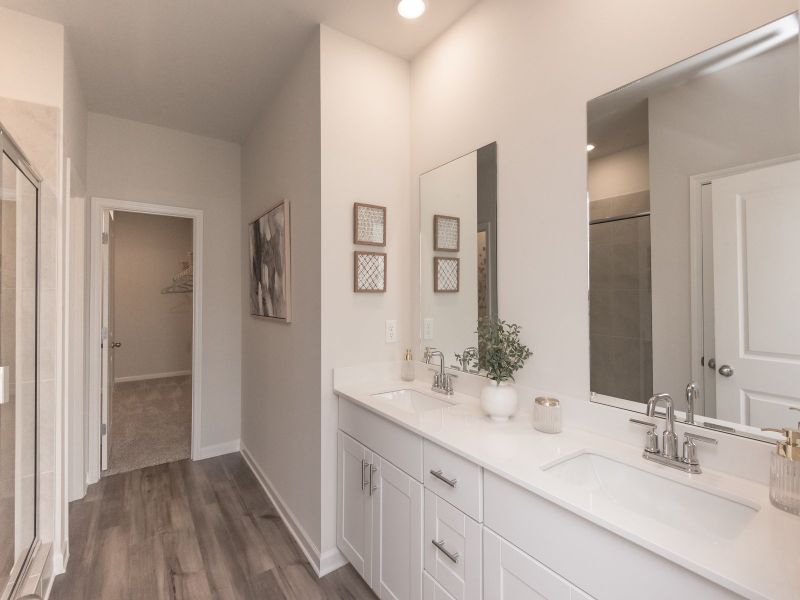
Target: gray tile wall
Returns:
[[620, 324]]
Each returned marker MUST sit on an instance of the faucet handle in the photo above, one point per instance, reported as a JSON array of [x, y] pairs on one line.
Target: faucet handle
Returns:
[[689, 448], [651, 442]]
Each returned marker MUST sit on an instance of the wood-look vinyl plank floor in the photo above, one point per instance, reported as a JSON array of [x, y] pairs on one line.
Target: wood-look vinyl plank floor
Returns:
[[189, 531]]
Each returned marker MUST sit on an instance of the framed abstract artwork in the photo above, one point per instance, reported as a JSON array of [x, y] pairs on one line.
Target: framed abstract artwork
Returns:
[[446, 233], [369, 224], [369, 272], [446, 271], [270, 264]]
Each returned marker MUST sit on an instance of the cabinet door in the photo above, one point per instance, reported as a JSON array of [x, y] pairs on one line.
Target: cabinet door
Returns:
[[510, 574], [397, 533], [452, 548], [354, 522]]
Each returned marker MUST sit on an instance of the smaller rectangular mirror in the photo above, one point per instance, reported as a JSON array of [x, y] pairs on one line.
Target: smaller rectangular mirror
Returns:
[[458, 253]]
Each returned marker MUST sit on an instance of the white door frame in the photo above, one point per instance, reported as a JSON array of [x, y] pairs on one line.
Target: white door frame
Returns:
[[98, 206], [696, 183]]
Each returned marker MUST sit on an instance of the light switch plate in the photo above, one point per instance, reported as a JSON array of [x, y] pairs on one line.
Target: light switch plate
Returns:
[[427, 329], [391, 331]]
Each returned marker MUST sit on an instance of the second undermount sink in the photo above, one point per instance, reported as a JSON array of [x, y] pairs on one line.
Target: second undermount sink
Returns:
[[607, 481], [411, 401]]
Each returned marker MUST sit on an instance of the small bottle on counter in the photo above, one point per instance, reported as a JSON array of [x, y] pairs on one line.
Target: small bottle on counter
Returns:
[[407, 370], [784, 471]]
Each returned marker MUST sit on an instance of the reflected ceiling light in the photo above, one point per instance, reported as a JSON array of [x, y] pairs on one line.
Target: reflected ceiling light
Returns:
[[589, 147], [411, 9]]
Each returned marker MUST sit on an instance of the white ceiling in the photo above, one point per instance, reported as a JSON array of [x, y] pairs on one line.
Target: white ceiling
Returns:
[[209, 66]]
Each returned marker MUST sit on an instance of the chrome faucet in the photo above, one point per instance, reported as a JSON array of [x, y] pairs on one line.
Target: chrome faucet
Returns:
[[669, 455], [442, 382], [692, 394], [669, 439]]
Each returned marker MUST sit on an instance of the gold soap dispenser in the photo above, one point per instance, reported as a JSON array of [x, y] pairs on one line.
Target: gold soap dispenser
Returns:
[[784, 471]]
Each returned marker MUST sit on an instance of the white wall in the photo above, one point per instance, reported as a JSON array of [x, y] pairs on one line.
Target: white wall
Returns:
[[743, 114], [365, 158], [620, 173], [451, 190], [70, 440], [144, 163], [32, 63], [155, 329], [520, 72], [280, 368]]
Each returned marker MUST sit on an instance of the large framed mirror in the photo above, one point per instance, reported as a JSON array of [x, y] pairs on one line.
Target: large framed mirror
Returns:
[[694, 221], [19, 489], [458, 254]]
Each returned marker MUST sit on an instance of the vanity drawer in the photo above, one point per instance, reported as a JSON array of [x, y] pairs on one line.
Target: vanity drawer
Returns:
[[455, 564], [432, 590], [453, 478]]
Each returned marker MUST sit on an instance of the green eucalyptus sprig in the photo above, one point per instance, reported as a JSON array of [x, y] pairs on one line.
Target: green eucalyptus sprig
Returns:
[[501, 352]]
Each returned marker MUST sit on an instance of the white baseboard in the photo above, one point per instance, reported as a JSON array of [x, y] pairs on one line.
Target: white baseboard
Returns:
[[151, 376], [330, 561], [217, 450], [322, 564]]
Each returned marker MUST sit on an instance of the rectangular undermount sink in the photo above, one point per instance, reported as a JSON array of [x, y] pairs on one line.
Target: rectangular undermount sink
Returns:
[[609, 482], [411, 401]]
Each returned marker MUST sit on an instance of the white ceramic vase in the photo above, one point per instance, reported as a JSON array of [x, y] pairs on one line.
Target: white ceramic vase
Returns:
[[498, 400]]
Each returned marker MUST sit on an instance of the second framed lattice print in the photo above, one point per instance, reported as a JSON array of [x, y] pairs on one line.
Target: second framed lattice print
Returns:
[[446, 272]]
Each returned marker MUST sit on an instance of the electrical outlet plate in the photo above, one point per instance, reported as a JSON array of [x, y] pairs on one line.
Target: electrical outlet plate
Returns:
[[427, 329], [391, 331]]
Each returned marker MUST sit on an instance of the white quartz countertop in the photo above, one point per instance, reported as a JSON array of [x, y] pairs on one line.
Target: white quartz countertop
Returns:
[[762, 561]]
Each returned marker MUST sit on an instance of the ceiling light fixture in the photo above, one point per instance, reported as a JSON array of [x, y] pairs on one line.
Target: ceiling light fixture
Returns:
[[411, 9], [589, 147]]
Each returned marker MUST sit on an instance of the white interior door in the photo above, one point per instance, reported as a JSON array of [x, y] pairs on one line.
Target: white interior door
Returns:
[[108, 342], [756, 219]]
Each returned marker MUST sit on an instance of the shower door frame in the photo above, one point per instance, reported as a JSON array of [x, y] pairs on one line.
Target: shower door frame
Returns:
[[10, 148]]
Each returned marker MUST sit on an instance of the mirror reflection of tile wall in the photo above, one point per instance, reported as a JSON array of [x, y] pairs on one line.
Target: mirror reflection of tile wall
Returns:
[[620, 310]]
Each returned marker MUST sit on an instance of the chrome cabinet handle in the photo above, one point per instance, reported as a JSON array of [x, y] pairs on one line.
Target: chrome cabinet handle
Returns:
[[364, 465], [372, 469], [726, 370], [440, 547], [440, 476]]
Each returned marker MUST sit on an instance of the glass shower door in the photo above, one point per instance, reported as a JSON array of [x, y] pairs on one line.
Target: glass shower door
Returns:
[[18, 373]]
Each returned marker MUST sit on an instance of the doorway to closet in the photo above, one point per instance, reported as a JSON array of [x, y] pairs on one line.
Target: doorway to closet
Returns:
[[145, 299]]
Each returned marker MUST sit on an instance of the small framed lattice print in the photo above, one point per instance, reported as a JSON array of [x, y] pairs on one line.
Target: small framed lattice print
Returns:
[[369, 224], [446, 233], [446, 274], [369, 272]]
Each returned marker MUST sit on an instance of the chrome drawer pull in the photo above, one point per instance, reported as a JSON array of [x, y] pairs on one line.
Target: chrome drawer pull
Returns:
[[364, 465], [440, 476], [440, 547]]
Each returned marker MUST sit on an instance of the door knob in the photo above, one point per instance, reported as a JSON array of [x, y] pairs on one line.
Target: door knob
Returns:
[[726, 370], [116, 345], [712, 363]]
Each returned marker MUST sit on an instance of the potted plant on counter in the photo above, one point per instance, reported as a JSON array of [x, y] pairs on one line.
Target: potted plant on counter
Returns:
[[501, 355]]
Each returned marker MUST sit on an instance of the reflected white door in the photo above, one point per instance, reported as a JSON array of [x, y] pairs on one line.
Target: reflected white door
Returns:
[[757, 295]]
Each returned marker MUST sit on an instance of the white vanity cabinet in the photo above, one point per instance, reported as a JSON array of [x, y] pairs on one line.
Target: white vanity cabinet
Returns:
[[420, 522], [379, 524], [510, 574]]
